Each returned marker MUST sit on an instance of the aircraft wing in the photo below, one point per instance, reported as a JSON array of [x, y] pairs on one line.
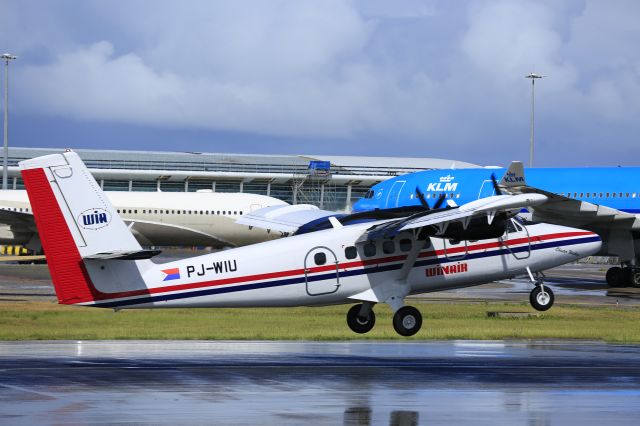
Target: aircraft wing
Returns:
[[20, 226], [284, 218], [150, 233], [489, 207], [558, 208]]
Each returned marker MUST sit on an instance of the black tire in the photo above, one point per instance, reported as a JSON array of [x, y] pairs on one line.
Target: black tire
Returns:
[[407, 321], [359, 324], [539, 300], [635, 278], [615, 277]]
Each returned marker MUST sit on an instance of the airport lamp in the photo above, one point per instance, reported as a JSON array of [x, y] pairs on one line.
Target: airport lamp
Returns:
[[533, 76], [5, 163]]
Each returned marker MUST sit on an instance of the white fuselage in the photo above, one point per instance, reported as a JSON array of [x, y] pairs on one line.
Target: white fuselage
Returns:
[[322, 268], [208, 213]]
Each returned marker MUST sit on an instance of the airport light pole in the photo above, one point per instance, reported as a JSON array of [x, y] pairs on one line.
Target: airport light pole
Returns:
[[5, 162], [533, 76]]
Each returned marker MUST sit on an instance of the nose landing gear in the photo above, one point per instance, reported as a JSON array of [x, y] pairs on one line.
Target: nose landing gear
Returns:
[[541, 297]]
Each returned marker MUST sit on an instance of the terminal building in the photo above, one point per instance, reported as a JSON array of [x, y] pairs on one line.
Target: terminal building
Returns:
[[328, 181]]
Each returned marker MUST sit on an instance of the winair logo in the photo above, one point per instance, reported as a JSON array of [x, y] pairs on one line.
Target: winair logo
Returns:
[[94, 218], [445, 184], [458, 268], [511, 177]]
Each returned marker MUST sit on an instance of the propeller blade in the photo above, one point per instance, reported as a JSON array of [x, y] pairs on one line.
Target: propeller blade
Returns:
[[422, 198], [496, 187], [440, 201]]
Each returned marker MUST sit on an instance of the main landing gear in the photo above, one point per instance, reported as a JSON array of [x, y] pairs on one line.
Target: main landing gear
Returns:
[[622, 277], [407, 320], [541, 297]]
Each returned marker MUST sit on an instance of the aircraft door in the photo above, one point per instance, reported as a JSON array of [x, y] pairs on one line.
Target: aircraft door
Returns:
[[454, 249], [519, 240], [394, 193], [321, 273]]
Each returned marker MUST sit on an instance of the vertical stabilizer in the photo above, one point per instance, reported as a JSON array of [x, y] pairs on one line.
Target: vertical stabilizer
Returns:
[[75, 220], [514, 176]]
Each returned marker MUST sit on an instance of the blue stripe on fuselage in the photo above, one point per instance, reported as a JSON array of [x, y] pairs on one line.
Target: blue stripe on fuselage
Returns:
[[471, 184], [350, 273]]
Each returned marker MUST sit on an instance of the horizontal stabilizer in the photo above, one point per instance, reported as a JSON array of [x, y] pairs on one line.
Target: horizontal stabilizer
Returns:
[[124, 255]]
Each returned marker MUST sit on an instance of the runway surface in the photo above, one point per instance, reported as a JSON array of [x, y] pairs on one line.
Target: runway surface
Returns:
[[402, 383]]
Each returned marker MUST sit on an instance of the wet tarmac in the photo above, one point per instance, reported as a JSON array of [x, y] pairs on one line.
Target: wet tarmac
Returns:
[[352, 383]]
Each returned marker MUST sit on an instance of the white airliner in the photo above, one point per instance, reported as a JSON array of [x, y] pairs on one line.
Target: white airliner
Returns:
[[156, 218], [95, 261]]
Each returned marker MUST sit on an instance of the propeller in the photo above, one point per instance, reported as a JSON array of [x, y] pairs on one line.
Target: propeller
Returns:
[[496, 187], [425, 204], [440, 201], [422, 198]]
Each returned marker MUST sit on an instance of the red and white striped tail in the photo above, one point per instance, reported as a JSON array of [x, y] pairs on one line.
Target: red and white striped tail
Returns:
[[74, 220]]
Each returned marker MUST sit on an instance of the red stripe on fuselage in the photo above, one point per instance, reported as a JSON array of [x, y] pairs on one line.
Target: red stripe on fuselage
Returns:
[[325, 268]]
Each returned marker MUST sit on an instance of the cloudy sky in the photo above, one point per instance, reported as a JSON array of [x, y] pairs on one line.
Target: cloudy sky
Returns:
[[371, 77]]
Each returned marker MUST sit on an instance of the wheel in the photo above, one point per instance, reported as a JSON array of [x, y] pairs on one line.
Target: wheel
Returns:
[[541, 300], [407, 321], [360, 324], [615, 277], [635, 277]]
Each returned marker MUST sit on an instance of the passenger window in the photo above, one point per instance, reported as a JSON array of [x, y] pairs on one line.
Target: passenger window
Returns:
[[405, 245], [320, 258], [613, 195], [350, 252], [388, 247], [370, 249]]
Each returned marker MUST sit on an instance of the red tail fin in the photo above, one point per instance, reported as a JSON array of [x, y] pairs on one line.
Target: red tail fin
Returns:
[[70, 278]]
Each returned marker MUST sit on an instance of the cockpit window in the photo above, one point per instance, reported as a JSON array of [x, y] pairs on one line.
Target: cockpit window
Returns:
[[511, 227], [369, 194]]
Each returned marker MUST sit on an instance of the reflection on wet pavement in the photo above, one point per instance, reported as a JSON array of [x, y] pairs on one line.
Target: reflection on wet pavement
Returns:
[[351, 383]]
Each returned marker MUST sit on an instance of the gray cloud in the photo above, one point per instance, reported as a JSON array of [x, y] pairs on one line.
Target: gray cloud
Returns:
[[415, 71]]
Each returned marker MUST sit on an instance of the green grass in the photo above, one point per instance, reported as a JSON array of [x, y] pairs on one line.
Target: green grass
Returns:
[[49, 321]]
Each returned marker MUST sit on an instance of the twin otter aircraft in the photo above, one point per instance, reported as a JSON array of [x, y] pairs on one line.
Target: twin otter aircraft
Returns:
[[379, 257]]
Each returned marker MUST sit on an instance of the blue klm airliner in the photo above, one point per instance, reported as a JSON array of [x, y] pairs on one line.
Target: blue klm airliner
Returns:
[[605, 200]]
